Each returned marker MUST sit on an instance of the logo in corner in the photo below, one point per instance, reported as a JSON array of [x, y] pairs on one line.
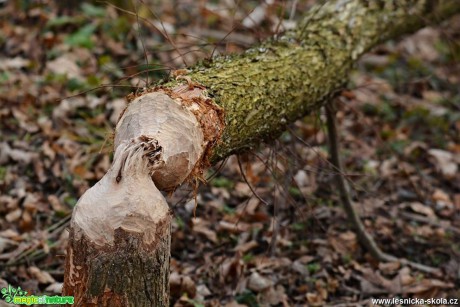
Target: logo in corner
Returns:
[[19, 296], [8, 294]]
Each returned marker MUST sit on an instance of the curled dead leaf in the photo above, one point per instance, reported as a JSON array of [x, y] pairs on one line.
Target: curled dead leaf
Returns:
[[42, 276], [314, 299], [258, 282], [422, 209], [180, 284], [445, 162]]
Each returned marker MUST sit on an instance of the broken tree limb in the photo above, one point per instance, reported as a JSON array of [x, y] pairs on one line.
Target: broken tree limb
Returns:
[[118, 252], [365, 238]]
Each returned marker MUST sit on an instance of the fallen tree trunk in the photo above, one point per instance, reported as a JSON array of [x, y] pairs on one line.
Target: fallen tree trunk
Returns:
[[118, 252], [284, 79]]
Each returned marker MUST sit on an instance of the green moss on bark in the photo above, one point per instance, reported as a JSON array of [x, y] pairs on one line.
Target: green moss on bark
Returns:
[[284, 79]]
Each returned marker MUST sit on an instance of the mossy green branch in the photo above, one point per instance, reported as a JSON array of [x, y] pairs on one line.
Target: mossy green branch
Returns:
[[271, 85]]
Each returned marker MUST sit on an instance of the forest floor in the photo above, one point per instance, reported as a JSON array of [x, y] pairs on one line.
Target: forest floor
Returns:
[[290, 245]]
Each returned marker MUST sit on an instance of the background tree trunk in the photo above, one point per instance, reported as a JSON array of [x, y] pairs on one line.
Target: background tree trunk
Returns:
[[118, 253]]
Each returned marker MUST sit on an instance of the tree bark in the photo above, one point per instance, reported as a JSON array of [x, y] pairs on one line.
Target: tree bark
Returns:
[[118, 252], [286, 78], [127, 273]]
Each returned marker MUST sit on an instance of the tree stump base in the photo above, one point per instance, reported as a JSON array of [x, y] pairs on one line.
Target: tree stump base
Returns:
[[127, 273]]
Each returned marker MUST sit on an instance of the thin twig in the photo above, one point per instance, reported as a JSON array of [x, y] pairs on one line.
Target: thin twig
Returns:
[[247, 182], [217, 171], [97, 88]]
